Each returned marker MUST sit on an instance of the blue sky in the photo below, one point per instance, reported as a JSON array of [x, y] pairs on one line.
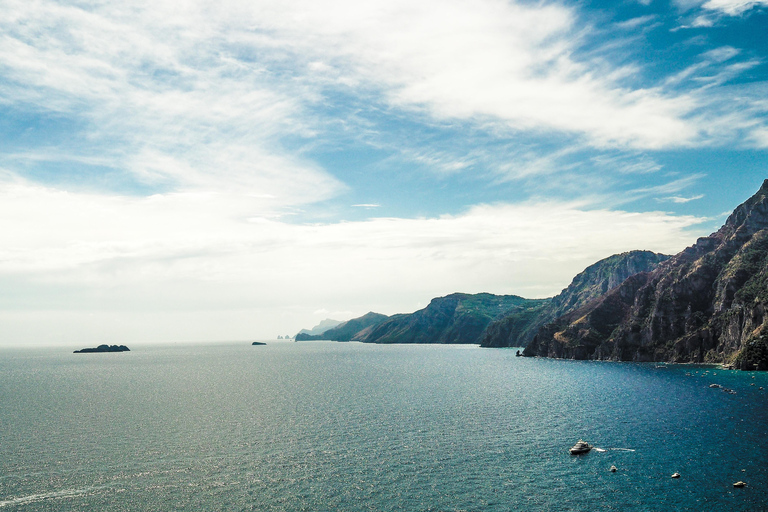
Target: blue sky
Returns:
[[242, 169]]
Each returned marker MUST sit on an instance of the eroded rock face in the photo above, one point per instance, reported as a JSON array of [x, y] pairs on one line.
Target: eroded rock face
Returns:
[[519, 327], [705, 304]]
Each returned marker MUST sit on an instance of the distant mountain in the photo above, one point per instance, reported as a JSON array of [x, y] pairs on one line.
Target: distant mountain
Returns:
[[517, 328], [321, 327], [347, 331], [705, 304], [455, 318]]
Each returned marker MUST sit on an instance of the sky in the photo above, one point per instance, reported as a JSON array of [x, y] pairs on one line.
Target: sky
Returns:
[[241, 169]]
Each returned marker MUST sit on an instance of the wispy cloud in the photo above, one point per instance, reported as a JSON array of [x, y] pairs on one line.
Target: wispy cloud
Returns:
[[733, 7], [210, 97], [162, 86], [636, 22], [679, 199], [154, 100], [215, 114]]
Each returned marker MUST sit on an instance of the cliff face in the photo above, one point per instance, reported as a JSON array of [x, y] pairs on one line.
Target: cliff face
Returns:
[[517, 329], [705, 304], [455, 318], [354, 329]]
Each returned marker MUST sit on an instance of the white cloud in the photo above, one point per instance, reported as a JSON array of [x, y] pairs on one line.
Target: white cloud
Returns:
[[173, 87], [721, 54], [733, 7], [760, 137], [156, 100], [633, 23], [489, 61], [198, 253], [682, 200], [213, 103]]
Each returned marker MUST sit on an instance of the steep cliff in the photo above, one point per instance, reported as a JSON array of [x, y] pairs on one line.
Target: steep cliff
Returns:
[[455, 318], [517, 328], [705, 304]]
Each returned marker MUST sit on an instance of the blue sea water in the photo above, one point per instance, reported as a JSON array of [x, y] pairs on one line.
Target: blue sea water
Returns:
[[346, 426]]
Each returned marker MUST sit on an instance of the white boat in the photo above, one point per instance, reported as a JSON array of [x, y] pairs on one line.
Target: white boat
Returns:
[[580, 448]]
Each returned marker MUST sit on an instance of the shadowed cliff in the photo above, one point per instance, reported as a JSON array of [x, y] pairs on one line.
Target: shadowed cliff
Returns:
[[517, 328], [705, 304]]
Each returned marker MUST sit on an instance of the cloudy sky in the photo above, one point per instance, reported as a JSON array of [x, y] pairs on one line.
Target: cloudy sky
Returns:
[[239, 169]]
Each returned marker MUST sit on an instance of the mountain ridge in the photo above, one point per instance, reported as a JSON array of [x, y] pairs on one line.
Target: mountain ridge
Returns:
[[518, 329], [349, 330], [455, 318], [705, 304]]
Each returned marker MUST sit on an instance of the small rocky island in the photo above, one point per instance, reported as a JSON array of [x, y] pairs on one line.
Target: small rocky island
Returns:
[[258, 343], [103, 348]]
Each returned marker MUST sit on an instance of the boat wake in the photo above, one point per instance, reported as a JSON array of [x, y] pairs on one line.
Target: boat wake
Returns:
[[616, 449], [34, 498]]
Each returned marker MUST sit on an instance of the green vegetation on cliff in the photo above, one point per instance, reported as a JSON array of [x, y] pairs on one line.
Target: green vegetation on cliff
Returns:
[[455, 318]]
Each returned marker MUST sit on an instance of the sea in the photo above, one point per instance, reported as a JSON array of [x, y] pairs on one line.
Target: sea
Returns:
[[324, 426]]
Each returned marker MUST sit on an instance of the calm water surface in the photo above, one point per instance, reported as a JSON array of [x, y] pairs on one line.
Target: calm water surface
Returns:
[[347, 426]]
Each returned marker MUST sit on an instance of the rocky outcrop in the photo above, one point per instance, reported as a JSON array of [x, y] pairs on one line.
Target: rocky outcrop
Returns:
[[103, 348], [517, 329], [354, 329], [705, 304], [455, 318]]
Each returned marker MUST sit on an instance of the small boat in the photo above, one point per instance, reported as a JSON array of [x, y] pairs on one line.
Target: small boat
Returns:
[[675, 475], [580, 448]]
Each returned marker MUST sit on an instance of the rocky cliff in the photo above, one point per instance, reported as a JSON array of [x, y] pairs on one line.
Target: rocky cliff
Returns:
[[455, 318], [354, 329], [518, 328], [705, 304]]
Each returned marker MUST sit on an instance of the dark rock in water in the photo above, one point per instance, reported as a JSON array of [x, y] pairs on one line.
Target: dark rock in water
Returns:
[[103, 348], [258, 343]]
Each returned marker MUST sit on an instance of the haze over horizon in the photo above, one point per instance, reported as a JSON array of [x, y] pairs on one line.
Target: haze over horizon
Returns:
[[242, 170]]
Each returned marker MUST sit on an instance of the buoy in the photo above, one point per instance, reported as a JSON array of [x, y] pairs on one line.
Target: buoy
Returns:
[[675, 475], [739, 484], [613, 469]]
